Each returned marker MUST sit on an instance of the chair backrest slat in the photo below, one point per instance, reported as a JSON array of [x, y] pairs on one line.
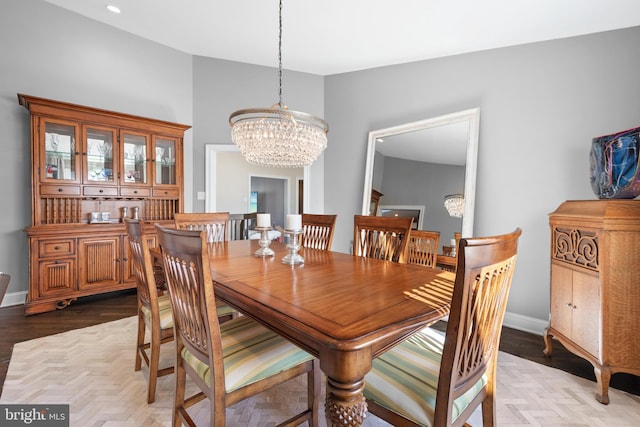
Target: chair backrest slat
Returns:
[[318, 230], [380, 237], [214, 223], [423, 248]]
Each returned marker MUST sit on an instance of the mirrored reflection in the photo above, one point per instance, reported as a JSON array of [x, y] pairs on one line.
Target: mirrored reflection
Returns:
[[412, 168]]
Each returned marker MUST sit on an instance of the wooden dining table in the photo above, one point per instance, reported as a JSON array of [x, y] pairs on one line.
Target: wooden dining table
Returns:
[[343, 309]]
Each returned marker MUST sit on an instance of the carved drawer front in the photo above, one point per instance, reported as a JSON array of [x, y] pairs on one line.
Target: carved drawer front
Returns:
[[578, 247], [56, 248], [60, 190], [135, 192], [57, 277], [100, 191], [168, 192]]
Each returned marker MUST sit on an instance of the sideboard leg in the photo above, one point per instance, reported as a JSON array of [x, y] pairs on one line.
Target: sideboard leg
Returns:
[[603, 376]]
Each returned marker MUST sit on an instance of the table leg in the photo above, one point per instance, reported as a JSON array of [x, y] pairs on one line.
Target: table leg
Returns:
[[345, 405]]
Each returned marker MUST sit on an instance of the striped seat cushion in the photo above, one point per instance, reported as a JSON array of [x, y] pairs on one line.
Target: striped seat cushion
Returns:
[[224, 310], [404, 379], [166, 316], [251, 352]]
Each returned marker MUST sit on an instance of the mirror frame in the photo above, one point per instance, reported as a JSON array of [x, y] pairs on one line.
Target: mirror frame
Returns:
[[473, 116]]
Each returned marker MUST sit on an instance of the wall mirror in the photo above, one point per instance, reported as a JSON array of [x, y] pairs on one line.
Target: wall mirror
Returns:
[[420, 163], [232, 183]]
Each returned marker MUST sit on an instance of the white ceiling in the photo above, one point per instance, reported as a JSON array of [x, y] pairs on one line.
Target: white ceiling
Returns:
[[334, 36]]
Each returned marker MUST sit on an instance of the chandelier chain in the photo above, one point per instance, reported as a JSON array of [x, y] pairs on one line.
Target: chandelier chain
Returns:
[[280, 56]]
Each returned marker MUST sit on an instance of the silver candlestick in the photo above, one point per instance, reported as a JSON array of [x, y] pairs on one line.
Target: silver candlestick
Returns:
[[264, 242], [293, 258]]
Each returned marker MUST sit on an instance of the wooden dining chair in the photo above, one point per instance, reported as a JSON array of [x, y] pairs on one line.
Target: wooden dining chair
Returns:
[[439, 380], [229, 362], [381, 237], [216, 226], [214, 223], [317, 231], [154, 311], [423, 248], [240, 224]]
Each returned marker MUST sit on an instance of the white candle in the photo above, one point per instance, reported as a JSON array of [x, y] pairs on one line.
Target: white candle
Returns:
[[453, 242], [294, 222], [264, 220]]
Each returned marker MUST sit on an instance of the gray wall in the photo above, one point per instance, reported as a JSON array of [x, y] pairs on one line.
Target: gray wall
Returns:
[[222, 87], [540, 106], [51, 53]]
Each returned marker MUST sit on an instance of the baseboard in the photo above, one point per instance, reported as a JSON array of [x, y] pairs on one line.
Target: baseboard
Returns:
[[14, 298], [525, 323]]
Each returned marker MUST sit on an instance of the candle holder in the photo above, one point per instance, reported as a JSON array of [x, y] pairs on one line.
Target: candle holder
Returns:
[[293, 258], [264, 242]]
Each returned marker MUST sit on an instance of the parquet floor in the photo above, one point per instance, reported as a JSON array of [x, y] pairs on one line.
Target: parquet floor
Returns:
[[529, 393]]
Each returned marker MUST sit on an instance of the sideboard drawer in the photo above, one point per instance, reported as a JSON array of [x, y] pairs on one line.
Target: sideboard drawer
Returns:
[[60, 190], [100, 191], [166, 192], [55, 248], [135, 192]]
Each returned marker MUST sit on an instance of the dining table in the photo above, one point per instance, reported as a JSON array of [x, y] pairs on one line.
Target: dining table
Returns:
[[343, 309]]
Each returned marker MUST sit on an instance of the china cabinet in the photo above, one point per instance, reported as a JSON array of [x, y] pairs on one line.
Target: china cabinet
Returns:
[[595, 285], [90, 169]]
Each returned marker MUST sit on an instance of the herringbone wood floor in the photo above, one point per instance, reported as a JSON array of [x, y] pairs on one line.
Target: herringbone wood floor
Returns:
[[97, 310]]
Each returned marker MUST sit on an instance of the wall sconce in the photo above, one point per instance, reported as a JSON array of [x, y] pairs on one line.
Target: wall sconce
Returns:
[[454, 203]]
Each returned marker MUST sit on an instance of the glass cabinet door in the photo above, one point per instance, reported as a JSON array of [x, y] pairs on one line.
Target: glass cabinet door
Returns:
[[99, 155], [60, 155], [165, 161], [135, 158]]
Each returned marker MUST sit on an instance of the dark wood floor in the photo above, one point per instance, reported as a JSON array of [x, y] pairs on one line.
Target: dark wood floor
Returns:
[[99, 309]]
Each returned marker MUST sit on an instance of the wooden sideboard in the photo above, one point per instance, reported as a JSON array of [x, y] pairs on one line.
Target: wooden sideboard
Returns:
[[595, 285], [89, 161]]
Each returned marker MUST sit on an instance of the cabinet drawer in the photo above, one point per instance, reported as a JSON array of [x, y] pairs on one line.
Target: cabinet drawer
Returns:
[[60, 190], [166, 192], [100, 191], [135, 192], [55, 248]]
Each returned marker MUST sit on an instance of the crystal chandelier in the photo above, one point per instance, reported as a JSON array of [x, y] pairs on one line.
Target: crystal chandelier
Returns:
[[454, 203], [277, 136]]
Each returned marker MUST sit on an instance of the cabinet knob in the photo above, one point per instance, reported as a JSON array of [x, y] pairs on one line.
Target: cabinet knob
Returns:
[[125, 259], [60, 190], [101, 191], [135, 191], [57, 248]]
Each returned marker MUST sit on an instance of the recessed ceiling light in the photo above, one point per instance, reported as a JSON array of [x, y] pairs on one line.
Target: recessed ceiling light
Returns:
[[112, 8]]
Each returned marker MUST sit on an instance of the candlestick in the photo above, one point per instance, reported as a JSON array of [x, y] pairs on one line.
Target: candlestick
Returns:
[[294, 222], [263, 220], [293, 258], [264, 242]]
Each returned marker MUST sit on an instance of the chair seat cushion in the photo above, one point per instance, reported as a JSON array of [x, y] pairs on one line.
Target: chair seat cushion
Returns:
[[251, 352], [166, 315], [405, 378], [224, 310]]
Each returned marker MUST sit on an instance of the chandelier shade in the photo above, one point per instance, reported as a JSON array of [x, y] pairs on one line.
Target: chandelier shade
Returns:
[[454, 204], [277, 136]]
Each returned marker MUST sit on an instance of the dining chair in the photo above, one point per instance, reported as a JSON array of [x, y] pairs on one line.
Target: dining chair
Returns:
[[381, 237], [434, 379], [240, 224], [154, 311], [423, 248], [317, 230], [228, 361], [214, 223]]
